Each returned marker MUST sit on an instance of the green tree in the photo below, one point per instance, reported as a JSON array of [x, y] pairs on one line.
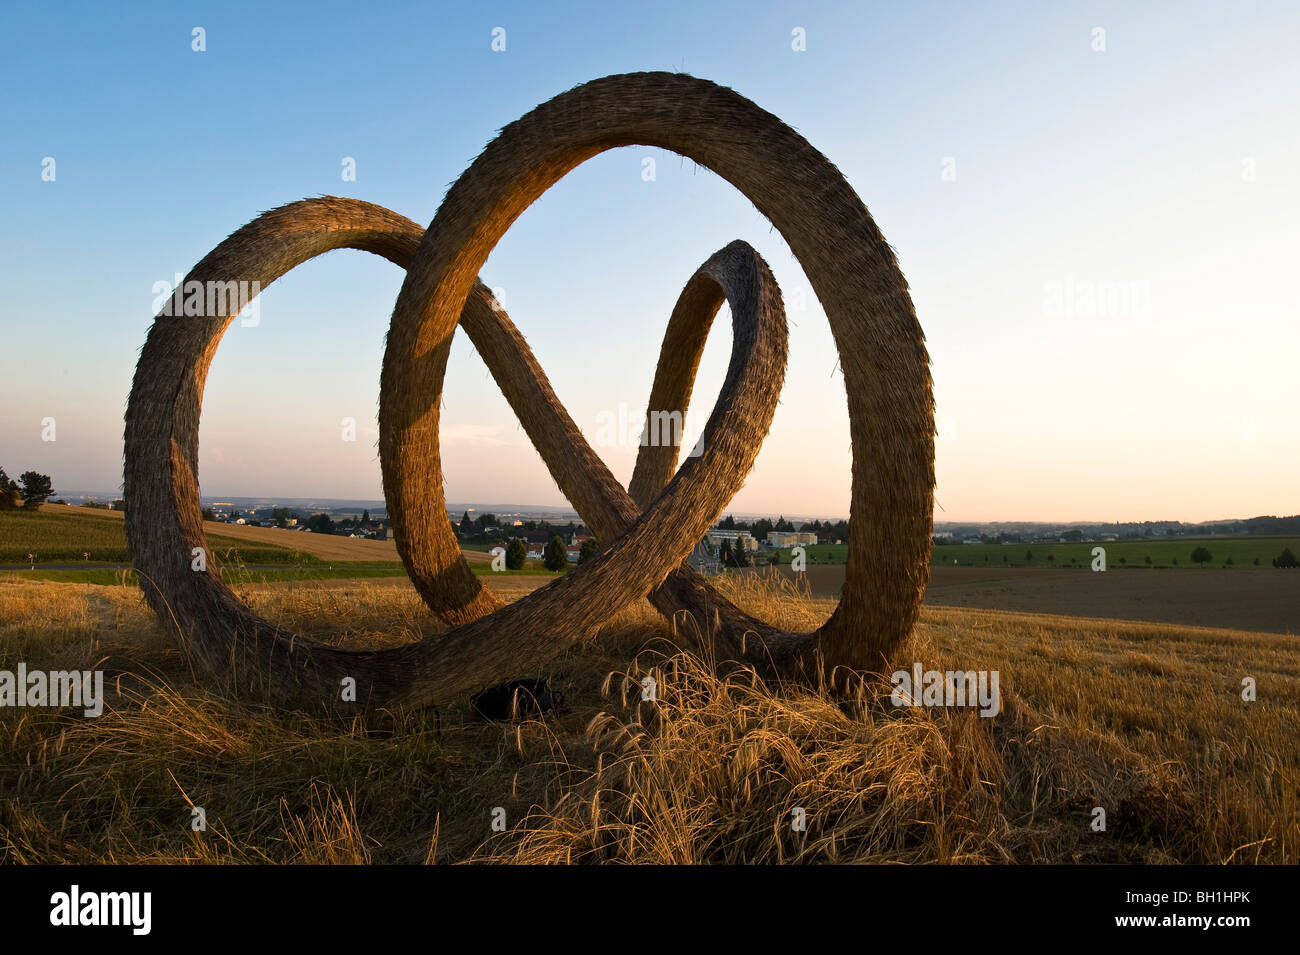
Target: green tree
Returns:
[[466, 525], [1286, 559], [8, 488], [365, 516], [320, 524], [35, 488], [1201, 556], [208, 515], [733, 556], [1029, 557], [280, 517], [555, 557], [588, 550], [516, 554]]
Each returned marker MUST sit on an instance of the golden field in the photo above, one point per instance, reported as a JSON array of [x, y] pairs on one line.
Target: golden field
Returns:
[[1144, 720]]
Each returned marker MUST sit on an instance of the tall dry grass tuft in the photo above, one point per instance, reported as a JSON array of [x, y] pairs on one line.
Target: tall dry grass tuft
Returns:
[[716, 768]]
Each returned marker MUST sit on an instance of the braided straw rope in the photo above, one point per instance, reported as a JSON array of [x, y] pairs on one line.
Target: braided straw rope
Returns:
[[648, 529]]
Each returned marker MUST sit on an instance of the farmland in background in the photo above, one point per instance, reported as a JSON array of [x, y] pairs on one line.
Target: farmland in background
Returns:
[[1243, 551]]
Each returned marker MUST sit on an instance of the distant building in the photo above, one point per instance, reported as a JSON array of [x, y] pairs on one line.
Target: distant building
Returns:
[[743, 539], [791, 538]]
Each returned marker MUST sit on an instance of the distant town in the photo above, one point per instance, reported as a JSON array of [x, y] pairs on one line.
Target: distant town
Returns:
[[557, 535], [262, 511]]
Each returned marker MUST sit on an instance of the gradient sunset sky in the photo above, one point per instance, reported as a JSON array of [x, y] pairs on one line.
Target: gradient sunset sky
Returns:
[[1015, 167]]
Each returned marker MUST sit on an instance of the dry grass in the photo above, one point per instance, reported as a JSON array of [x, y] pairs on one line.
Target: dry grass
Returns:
[[1144, 720]]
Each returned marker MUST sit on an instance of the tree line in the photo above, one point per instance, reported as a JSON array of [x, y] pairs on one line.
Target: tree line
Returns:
[[31, 490], [838, 530]]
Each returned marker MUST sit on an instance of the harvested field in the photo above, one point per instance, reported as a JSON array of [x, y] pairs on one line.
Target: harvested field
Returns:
[[1259, 599], [1144, 720]]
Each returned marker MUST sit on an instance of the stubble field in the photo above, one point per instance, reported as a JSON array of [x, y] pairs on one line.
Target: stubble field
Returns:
[[1144, 721]]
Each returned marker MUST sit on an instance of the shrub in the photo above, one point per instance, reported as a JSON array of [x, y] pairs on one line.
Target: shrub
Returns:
[[554, 557]]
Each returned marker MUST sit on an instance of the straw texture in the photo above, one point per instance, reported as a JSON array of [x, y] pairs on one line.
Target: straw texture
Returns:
[[648, 529]]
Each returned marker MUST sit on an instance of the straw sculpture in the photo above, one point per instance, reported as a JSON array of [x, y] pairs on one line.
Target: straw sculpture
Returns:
[[648, 529]]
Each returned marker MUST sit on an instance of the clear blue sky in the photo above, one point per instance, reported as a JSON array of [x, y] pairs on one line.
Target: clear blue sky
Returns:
[[1163, 167]]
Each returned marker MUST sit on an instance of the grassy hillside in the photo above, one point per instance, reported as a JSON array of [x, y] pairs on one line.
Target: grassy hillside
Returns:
[[1143, 720], [59, 534], [242, 574]]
